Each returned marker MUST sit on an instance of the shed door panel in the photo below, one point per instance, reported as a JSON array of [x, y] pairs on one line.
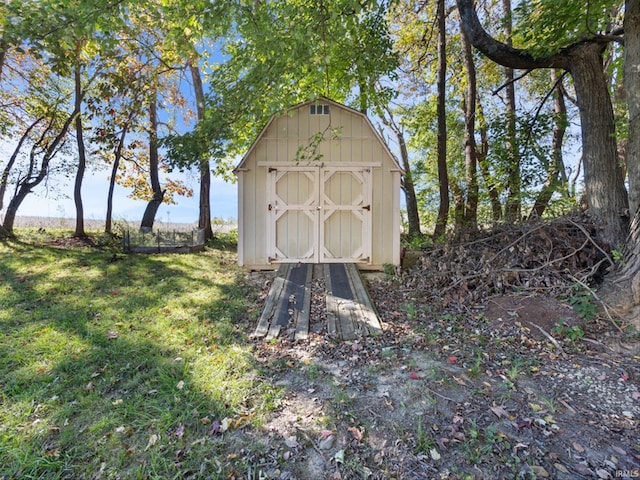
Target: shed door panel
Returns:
[[345, 207], [294, 215], [319, 214]]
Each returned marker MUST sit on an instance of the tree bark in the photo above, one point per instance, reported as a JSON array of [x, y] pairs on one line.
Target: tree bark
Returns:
[[82, 157], [408, 187], [149, 216], [606, 194], [443, 175], [204, 217], [108, 221], [604, 186], [632, 87], [470, 148]]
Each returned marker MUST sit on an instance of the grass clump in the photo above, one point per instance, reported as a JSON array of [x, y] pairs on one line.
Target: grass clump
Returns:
[[123, 366]]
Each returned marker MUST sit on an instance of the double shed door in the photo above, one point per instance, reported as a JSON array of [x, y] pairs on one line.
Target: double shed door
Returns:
[[319, 214]]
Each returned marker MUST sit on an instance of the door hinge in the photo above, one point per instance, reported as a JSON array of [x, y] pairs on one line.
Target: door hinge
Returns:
[[367, 207], [270, 207], [272, 169]]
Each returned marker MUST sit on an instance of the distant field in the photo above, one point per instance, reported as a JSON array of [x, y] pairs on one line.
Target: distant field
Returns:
[[70, 223]]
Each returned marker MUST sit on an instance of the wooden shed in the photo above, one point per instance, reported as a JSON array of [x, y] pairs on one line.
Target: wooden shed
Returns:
[[319, 186]]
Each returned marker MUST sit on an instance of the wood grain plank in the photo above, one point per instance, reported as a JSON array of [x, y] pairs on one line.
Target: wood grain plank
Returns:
[[370, 316], [273, 298], [302, 318]]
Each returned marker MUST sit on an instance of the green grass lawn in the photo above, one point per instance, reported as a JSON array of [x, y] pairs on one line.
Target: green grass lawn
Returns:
[[126, 368]]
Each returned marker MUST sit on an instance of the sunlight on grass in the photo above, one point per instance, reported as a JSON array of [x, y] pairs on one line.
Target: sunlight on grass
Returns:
[[118, 366]]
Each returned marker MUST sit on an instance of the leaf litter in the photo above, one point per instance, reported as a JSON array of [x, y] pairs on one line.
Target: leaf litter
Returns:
[[475, 376]]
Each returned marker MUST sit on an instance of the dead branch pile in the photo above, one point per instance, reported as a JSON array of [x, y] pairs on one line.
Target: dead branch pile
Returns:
[[543, 257]]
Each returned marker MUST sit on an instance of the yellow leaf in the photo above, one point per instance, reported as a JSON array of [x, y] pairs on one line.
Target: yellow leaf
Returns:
[[153, 439]]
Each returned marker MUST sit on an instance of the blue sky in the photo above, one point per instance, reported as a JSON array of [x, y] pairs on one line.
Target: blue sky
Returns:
[[224, 202]]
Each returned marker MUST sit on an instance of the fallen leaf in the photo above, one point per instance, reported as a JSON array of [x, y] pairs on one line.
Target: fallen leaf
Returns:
[[578, 448], [153, 439], [291, 442], [582, 469], [327, 443], [179, 432], [619, 450], [414, 376], [459, 381], [326, 433], [561, 467], [112, 335], [339, 456], [601, 473], [224, 426], [435, 455], [499, 411], [180, 385], [452, 359], [535, 407], [539, 471], [357, 434]]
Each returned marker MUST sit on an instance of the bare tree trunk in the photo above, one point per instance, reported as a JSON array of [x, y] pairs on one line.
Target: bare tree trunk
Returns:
[[204, 217], [408, 187], [149, 216], [108, 222], [622, 291], [82, 157], [606, 194], [632, 88], [555, 168], [470, 148], [443, 175]]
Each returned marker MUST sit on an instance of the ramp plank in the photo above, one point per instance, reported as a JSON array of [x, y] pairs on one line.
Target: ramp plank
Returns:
[[350, 312]]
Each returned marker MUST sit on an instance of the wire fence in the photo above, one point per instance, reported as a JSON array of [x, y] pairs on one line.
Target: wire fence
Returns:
[[163, 241]]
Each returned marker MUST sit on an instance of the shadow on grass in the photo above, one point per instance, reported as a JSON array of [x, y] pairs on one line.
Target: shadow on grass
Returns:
[[123, 367]]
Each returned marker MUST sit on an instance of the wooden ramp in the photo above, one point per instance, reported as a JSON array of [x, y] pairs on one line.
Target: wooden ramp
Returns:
[[349, 311]]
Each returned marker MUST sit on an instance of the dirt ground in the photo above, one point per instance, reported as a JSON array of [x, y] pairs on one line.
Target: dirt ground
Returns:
[[495, 378]]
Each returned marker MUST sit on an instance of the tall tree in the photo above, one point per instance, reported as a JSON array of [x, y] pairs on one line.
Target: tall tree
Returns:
[[149, 215], [408, 187], [632, 88], [443, 175], [204, 216], [470, 147], [604, 185]]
